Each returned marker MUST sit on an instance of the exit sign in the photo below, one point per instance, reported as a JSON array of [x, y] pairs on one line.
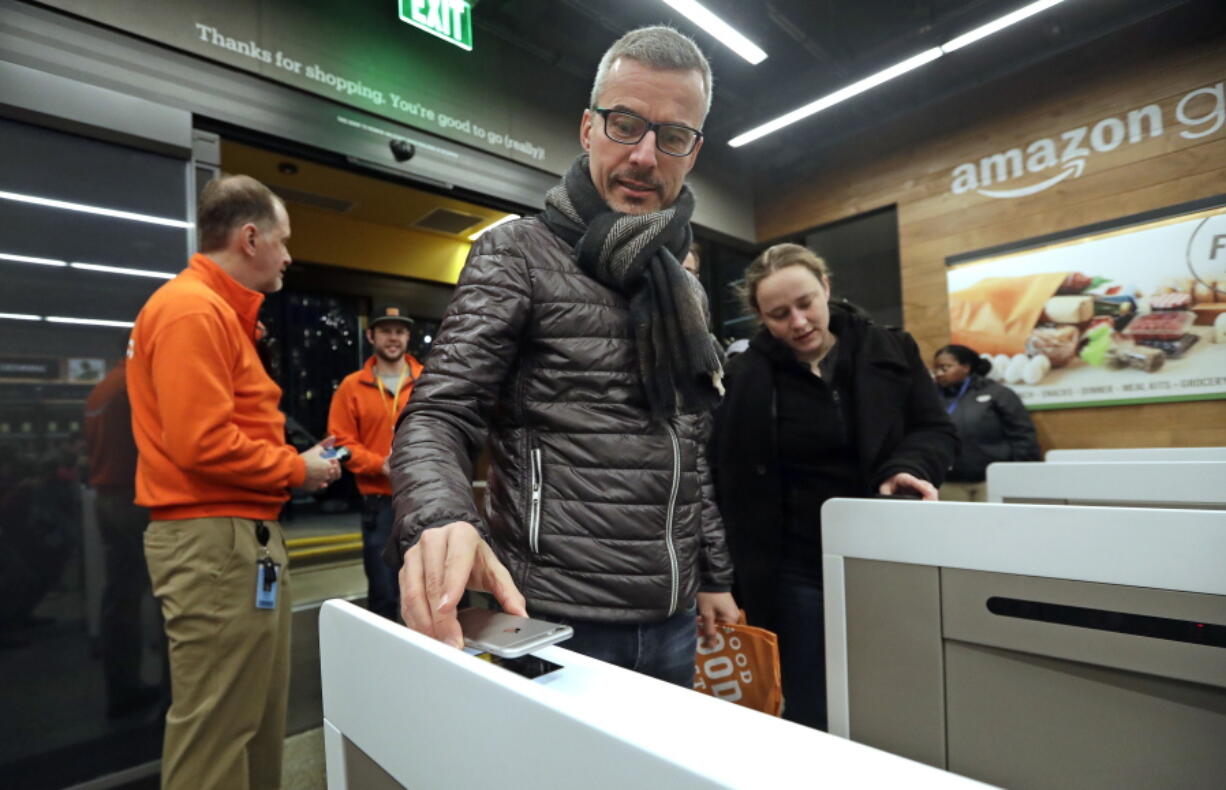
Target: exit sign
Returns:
[[450, 20]]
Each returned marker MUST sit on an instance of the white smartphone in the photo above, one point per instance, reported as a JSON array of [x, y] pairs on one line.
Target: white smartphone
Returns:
[[508, 636]]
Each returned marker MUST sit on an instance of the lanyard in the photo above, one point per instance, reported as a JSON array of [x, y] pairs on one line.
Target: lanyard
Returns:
[[953, 404], [392, 410]]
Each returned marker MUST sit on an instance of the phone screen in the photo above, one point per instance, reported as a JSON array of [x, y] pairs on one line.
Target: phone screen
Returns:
[[526, 666]]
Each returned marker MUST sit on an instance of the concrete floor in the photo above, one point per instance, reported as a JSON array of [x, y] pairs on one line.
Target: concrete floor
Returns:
[[55, 722], [303, 761], [302, 765]]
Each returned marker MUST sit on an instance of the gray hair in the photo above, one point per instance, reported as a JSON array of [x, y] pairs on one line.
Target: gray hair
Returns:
[[659, 47]]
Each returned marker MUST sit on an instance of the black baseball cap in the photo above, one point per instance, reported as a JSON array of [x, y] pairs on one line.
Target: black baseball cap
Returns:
[[390, 312]]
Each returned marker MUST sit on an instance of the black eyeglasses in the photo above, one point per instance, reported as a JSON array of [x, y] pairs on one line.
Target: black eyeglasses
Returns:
[[627, 128]]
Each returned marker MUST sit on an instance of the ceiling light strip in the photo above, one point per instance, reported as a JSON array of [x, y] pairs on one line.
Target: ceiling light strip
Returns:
[[21, 317], [4, 256], [832, 99], [996, 26], [98, 267], [721, 30], [85, 209], [493, 225], [64, 319], [892, 72]]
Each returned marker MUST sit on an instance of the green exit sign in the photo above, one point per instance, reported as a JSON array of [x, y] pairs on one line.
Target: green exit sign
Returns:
[[450, 20]]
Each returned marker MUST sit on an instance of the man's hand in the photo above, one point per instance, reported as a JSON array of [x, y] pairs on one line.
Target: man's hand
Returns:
[[387, 467], [444, 562], [320, 471], [715, 608], [904, 483]]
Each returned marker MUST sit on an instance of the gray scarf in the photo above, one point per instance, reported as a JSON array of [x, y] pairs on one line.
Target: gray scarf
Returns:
[[637, 255]]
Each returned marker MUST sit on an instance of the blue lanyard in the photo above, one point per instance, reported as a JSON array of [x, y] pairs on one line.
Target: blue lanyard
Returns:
[[953, 404]]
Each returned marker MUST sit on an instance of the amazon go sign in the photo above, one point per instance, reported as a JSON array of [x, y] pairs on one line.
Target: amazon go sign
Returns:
[[1200, 113]]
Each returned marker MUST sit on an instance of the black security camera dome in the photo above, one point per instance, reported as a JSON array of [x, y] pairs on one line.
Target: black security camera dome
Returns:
[[402, 150]]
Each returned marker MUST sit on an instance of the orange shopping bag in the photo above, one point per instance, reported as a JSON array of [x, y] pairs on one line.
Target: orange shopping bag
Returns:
[[741, 666]]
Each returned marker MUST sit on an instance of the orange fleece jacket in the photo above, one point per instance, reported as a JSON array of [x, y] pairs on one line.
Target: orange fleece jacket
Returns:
[[108, 433], [363, 418], [205, 415]]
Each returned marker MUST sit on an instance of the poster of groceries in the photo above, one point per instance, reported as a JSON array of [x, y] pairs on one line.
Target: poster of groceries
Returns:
[[1134, 314]]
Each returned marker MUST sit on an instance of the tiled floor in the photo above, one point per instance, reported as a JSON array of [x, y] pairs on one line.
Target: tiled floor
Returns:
[[309, 525]]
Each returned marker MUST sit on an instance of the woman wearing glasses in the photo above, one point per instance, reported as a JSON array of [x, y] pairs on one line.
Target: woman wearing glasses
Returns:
[[823, 404]]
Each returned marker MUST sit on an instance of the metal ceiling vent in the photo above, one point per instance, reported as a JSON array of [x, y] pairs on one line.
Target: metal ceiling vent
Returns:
[[444, 220], [291, 195]]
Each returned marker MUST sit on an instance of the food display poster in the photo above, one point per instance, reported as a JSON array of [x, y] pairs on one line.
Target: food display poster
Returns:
[[1135, 314]]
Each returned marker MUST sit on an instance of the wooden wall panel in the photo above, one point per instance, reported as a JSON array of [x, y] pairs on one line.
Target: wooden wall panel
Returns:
[[934, 223]]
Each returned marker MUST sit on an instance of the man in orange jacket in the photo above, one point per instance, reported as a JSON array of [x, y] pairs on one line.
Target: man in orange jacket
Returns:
[[112, 474], [363, 419], [214, 470]]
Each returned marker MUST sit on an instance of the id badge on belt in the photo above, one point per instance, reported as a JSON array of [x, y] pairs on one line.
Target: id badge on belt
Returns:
[[267, 572]]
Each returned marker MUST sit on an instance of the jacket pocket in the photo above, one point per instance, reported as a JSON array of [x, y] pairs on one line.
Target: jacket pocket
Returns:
[[536, 493]]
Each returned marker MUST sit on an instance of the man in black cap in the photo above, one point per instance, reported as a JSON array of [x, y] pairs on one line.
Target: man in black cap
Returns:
[[363, 419]]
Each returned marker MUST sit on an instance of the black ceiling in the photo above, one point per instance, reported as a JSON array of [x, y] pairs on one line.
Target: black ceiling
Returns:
[[817, 46]]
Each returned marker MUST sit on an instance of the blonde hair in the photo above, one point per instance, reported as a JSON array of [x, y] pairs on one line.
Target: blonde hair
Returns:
[[780, 256]]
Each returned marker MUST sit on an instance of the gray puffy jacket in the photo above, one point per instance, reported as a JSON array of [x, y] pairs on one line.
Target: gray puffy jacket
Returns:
[[598, 512]]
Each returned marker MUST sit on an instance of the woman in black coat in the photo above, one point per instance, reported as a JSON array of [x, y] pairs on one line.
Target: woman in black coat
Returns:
[[991, 421], [823, 404]]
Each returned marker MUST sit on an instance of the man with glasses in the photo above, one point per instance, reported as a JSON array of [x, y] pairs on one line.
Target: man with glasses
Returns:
[[577, 344]]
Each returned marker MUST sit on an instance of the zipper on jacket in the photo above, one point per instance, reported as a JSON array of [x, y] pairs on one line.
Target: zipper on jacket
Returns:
[[668, 526], [838, 411], [534, 512]]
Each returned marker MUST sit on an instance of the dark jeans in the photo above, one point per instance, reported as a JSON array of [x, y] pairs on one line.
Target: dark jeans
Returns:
[[383, 587], [663, 650], [122, 527], [799, 620]]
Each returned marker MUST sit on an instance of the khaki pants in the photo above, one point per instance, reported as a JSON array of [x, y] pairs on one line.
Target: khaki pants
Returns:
[[964, 492], [229, 662]]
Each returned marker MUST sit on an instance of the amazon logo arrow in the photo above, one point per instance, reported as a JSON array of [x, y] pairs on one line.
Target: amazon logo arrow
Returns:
[[1072, 170]]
